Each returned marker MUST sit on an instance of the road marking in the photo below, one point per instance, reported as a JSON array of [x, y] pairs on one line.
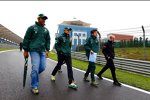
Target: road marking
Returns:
[[6, 51], [138, 89], [141, 90]]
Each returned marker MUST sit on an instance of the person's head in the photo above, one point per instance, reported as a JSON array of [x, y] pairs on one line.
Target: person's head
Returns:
[[41, 19], [67, 30], [111, 38], [94, 33]]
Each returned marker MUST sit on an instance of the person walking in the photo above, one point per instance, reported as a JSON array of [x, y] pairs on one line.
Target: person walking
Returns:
[[20, 46], [56, 47], [108, 51], [37, 42], [63, 48], [91, 46]]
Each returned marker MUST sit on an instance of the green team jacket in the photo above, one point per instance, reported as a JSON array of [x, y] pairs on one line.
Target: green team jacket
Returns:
[[37, 38], [92, 43], [63, 44]]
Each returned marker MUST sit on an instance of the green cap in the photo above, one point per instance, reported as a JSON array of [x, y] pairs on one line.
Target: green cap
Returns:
[[42, 16], [67, 28]]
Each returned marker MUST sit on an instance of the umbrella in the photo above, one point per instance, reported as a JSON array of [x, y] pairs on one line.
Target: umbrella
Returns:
[[25, 71]]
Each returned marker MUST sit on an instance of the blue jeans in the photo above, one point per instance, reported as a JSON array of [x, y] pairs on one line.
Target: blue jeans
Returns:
[[38, 61]]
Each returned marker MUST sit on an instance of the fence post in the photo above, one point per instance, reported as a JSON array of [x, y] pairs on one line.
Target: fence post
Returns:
[[99, 42], [144, 42]]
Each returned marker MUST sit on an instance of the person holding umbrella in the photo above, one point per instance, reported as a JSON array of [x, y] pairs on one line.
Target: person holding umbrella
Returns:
[[37, 42]]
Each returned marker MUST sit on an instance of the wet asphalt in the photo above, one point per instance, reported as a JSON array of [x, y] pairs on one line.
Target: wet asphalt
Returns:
[[11, 86]]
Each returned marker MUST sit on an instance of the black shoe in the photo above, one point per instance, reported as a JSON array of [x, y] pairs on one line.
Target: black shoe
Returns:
[[117, 83], [100, 77], [86, 79]]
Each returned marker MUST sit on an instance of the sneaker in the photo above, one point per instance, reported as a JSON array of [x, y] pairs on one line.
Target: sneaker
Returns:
[[100, 77], [117, 83], [94, 83], [73, 86], [86, 79], [35, 90], [52, 78]]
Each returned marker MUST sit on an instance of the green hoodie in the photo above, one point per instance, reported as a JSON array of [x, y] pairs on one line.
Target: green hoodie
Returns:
[[37, 38], [92, 43], [63, 44]]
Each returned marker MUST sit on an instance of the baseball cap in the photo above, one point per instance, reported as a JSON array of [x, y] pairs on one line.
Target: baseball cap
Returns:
[[42, 16], [67, 28]]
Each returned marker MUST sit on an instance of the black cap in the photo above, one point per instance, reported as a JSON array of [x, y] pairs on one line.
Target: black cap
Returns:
[[42, 16], [67, 28], [92, 31]]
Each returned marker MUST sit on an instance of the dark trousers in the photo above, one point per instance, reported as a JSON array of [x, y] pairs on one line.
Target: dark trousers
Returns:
[[68, 60], [109, 64], [91, 69]]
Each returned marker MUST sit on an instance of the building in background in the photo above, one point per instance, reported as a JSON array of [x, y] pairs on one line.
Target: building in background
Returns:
[[122, 37], [80, 31]]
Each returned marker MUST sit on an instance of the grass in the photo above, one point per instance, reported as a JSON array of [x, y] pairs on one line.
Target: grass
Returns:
[[136, 53], [133, 53], [125, 77], [2, 49]]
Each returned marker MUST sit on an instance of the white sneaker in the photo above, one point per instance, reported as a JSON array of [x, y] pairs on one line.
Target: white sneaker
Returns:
[[52, 78], [73, 85]]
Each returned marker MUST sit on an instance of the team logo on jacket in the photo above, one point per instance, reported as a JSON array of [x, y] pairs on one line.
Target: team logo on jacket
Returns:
[[45, 30], [96, 41], [64, 39], [92, 41], [35, 30]]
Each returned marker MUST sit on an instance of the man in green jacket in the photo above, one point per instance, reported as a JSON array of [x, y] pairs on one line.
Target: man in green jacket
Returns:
[[63, 48], [91, 46], [37, 43]]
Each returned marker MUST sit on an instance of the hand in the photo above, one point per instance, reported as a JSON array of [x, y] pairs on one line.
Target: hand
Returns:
[[25, 54], [47, 54]]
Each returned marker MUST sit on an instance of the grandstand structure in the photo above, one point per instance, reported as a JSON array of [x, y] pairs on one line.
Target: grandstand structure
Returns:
[[8, 39]]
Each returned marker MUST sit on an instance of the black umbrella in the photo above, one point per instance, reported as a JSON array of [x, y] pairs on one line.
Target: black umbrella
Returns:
[[25, 71]]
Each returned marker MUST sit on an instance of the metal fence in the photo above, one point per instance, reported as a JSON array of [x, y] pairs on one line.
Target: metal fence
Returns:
[[137, 66]]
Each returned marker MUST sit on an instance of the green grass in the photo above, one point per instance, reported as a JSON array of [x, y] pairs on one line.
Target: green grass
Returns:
[[125, 77], [133, 53], [136, 53], [2, 49]]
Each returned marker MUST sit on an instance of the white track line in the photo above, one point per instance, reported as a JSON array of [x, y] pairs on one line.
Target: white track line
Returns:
[[7, 51], [141, 90]]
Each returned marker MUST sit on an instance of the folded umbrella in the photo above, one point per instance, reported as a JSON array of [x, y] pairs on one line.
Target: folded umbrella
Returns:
[[25, 71]]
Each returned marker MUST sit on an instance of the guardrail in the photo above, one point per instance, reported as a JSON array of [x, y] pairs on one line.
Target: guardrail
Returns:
[[5, 45], [137, 66]]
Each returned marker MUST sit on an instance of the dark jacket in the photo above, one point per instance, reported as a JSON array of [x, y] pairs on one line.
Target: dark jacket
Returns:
[[63, 44], [37, 38], [92, 43], [108, 50]]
